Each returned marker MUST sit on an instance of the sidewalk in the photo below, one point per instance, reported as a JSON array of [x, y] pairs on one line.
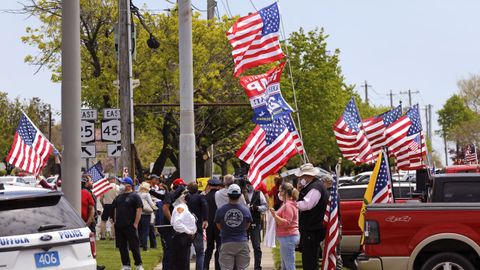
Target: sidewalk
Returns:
[[267, 260]]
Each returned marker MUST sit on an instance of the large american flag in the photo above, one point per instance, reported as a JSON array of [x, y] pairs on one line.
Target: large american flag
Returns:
[[332, 225], [375, 128], [350, 136], [267, 149], [470, 154], [254, 39], [30, 149], [100, 183], [406, 140]]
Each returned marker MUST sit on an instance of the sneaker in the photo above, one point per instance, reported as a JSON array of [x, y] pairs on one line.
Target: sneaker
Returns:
[[140, 267], [126, 267]]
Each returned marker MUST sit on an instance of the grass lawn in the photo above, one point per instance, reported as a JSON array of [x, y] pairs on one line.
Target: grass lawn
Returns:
[[108, 256]]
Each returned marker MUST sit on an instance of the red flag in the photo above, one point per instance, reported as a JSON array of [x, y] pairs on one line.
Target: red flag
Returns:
[[30, 149], [267, 149], [254, 39]]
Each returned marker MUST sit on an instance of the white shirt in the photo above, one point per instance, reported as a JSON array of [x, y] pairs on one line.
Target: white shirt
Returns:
[[182, 220], [310, 200]]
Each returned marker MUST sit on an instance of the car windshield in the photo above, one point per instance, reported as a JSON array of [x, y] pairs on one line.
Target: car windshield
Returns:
[[27, 215]]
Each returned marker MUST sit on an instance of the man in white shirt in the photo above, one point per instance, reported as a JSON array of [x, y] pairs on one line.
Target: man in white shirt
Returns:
[[221, 196], [106, 200]]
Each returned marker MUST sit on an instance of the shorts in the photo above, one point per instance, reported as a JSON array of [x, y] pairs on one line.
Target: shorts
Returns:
[[107, 212]]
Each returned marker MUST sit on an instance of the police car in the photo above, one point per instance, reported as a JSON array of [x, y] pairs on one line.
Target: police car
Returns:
[[39, 229]]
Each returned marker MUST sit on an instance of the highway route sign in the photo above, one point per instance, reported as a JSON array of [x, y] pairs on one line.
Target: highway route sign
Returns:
[[88, 114], [87, 131], [111, 130], [110, 113], [114, 150], [88, 151]]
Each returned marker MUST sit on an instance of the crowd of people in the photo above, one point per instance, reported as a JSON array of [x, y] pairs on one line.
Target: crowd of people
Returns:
[[226, 215]]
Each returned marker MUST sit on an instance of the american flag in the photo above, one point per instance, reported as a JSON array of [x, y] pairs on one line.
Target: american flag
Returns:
[[350, 136], [30, 149], [402, 135], [100, 183], [288, 121], [332, 225], [375, 128], [470, 154], [379, 189], [254, 39], [267, 149]]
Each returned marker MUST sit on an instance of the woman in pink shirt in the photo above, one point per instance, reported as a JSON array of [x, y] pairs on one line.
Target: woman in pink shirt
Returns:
[[286, 219]]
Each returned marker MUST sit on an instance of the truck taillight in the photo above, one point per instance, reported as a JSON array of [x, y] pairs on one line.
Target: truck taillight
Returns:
[[93, 248], [371, 233]]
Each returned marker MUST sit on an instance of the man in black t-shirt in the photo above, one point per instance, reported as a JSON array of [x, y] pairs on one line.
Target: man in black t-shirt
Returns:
[[128, 210]]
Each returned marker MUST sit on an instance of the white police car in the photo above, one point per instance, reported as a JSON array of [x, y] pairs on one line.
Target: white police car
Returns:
[[39, 229]]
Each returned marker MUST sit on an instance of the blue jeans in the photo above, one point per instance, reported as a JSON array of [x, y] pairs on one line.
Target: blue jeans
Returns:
[[143, 230], [199, 250], [287, 250]]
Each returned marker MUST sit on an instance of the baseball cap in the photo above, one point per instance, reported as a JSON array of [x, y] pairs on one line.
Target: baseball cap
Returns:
[[234, 189], [178, 182], [153, 176], [127, 180], [214, 181]]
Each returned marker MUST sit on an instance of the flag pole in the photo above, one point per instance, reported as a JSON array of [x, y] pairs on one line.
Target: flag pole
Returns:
[[38, 130]]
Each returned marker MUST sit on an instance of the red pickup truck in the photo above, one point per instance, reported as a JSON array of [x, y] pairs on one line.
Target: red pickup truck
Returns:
[[443, 233]]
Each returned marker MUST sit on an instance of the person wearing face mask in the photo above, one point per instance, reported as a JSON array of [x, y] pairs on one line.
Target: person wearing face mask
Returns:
[[286, 221], [106, 200], [312, 202], [128, 208], [258, 205]]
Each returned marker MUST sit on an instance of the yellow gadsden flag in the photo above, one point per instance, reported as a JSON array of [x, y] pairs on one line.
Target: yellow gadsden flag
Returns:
[[367, 198]]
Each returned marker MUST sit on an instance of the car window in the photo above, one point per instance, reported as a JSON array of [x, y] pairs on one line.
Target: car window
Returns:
[[20, 180], [25, 216], [50, 180], [351, 193], [466, 192], [6, 179]]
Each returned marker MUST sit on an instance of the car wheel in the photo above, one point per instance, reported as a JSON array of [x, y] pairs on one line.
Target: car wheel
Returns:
[[447, 261]]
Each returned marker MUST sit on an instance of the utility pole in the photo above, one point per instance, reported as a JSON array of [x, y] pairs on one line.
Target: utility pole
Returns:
[[366, 91], [125, 84], [409, 92], [211, 4], [71, 96], [430, 121], [187, 131], [391, 99]]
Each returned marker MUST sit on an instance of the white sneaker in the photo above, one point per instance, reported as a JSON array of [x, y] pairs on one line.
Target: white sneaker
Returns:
[[139, 267], [126, 267]]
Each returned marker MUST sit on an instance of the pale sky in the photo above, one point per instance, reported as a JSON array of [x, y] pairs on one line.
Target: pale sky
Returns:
[[397, 45]]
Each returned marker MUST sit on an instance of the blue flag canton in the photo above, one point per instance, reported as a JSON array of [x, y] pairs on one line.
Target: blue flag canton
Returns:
[[414, 116], [271, 19], [391, 116], [272, 131], [351, 117], [334, 194], [96, 172], [288, 122], [26, 131], [383, 175]]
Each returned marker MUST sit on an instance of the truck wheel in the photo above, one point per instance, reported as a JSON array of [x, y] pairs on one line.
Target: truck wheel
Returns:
[[447, 261]]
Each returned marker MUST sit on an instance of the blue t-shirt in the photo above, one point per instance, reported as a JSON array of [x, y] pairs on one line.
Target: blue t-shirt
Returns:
[[233, 219]]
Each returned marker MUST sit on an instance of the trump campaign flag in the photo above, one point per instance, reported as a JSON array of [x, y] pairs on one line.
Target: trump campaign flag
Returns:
[[265, 96], [406, 141], [350, 135], [254, 39], [30, 149], [375, 128], [100, 183], [379, 189], [267, 149]]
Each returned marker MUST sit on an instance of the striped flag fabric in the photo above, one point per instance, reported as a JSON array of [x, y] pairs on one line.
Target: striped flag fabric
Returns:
[[332, 230], [350, 135], [470, 154], [379, 189], [100, 183], [375, 128], [255, 40], [267, 149], [30, 149], [406, 140]]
